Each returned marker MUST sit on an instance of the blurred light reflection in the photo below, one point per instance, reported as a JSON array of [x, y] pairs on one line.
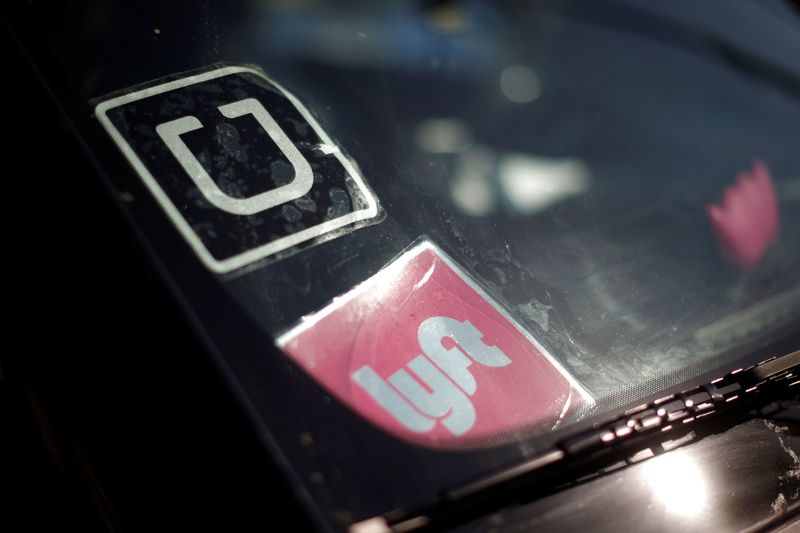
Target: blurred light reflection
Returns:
[[534, 184], [471, 187], [448, 18], [747, 221], [443, 135], [678, 483], [520, 84]]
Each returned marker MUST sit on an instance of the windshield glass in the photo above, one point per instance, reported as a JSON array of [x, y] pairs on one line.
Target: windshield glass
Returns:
[[568, 207]]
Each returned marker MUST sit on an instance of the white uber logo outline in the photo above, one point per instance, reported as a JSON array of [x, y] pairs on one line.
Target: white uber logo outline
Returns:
[[303, 180], [170, 132]]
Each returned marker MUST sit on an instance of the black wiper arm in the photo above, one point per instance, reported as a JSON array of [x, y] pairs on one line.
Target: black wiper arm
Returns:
[[663, 424]]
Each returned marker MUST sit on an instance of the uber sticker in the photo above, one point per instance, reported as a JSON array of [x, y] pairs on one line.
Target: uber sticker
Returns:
[[242, 169], [423, 352]]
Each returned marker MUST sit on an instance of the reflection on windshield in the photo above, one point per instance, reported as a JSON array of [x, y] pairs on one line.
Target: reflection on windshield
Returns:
[[746, 222], [677, 483], [484, 181], [575, 161], [520, 84]]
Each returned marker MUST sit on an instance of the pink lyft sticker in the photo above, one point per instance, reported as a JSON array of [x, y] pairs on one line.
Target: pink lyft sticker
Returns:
[[420, 350]]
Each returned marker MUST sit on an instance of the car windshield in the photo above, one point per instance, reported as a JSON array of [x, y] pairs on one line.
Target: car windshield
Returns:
[[606, 192]]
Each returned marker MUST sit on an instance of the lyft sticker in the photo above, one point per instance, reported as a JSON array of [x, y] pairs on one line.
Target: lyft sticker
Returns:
[[242, 169], [423, 352]]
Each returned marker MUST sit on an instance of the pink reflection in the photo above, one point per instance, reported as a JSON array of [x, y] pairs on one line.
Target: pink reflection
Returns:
[[747, 221]]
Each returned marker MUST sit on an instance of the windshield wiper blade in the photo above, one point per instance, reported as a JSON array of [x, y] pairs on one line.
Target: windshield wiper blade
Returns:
[[655, 427]]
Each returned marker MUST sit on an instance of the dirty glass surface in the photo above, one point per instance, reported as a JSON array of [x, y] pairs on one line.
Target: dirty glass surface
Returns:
[[621, 179]]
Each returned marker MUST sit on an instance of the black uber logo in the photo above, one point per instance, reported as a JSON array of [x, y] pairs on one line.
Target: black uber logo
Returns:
[[242, 169]]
